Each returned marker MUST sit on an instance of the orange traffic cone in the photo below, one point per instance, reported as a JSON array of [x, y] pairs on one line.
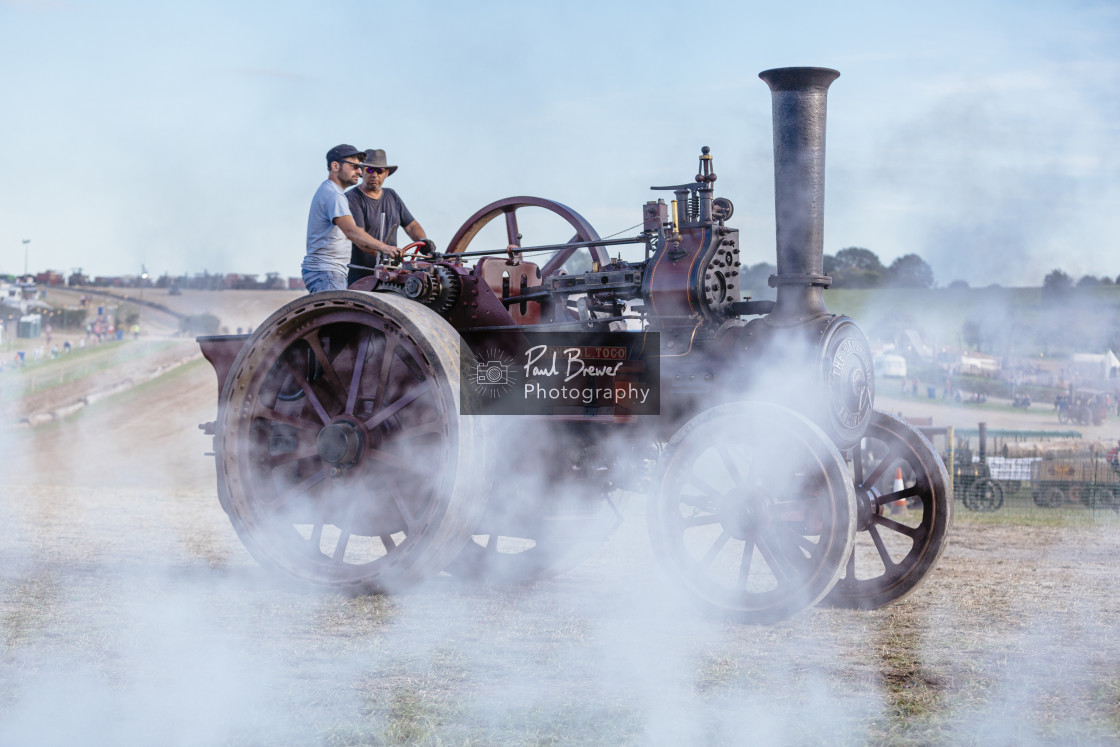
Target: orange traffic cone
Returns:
[[899, 485]]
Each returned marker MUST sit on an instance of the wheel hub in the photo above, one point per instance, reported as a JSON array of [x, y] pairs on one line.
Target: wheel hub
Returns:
[[742, 515], [867, 505], [340, 444]]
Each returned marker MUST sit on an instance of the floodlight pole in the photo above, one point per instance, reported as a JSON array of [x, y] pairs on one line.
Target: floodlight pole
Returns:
[[25, 243]]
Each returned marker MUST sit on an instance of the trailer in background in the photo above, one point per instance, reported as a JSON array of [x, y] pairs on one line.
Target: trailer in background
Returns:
[[1089, 478]]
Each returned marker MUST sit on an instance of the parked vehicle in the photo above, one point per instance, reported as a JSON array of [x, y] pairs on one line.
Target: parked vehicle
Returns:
[[973, 481], [1083, 408], [1088, 478]]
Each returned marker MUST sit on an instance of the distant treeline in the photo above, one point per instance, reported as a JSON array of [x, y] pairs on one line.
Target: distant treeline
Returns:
[[198, 281], [1058, 283], [854, 267]]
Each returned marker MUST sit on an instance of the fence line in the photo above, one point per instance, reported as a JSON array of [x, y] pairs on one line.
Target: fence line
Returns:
[[1049, 473]]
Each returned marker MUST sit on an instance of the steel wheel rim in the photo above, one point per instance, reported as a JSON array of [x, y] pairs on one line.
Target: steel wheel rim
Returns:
[[507, 209], [893, 553], [292, 500], [741, 547], [985, 495]]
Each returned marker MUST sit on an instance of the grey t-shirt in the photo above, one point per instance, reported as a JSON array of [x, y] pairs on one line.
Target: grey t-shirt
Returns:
[[380, 218], [327, 247]]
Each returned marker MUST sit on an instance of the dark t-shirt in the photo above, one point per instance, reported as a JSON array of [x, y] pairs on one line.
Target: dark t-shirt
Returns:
[[380, 219]]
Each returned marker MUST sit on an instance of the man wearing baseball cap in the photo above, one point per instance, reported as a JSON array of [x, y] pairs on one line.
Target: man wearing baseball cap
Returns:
[[331, 228]]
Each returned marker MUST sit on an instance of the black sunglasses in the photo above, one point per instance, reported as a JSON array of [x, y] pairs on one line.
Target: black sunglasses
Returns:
[[376, 170]]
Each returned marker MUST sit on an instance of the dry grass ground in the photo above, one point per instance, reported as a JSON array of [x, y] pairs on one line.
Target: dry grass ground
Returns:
[[131, 614]]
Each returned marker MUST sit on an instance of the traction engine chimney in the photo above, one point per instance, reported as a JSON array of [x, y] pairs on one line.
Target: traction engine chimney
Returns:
[[800, 100], [801, 355]]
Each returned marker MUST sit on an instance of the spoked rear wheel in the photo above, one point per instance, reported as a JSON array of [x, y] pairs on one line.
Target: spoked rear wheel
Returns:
[[754, 513], [342, 457], [901, 532]]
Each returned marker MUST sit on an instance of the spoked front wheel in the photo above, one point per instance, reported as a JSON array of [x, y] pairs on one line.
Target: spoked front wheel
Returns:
[[754, 513], [902, 529]]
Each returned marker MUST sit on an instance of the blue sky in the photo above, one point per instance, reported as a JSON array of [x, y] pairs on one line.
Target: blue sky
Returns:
[[983, 136]]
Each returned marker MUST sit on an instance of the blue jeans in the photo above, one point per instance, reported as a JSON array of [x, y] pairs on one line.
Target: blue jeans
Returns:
[[318, 281]]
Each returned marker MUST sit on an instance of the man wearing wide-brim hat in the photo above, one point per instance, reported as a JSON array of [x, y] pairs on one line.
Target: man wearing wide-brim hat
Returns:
[[380, 211], [331, 230]]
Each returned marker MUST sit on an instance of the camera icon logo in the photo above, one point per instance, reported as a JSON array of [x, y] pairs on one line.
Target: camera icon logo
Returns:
[[494, 374]]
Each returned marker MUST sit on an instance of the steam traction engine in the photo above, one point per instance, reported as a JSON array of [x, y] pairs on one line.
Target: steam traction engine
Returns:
[[345, 459]]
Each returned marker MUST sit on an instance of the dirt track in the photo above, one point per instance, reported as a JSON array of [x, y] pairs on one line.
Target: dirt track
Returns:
[[244, 309], [1041, 416], [78, 379]]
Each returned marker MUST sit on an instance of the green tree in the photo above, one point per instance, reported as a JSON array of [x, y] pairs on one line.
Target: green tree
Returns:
[[856, 267], [1056, 284], [910, 271], [972, 333], [987, 330]]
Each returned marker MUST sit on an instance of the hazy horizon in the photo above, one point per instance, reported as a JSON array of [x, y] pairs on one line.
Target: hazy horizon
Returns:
[[980, 136]]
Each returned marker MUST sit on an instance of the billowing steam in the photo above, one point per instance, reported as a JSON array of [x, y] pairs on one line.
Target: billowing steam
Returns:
[[133, 615]]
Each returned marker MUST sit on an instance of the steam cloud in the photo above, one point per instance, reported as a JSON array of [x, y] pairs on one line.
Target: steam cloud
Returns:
[[133, 616]]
